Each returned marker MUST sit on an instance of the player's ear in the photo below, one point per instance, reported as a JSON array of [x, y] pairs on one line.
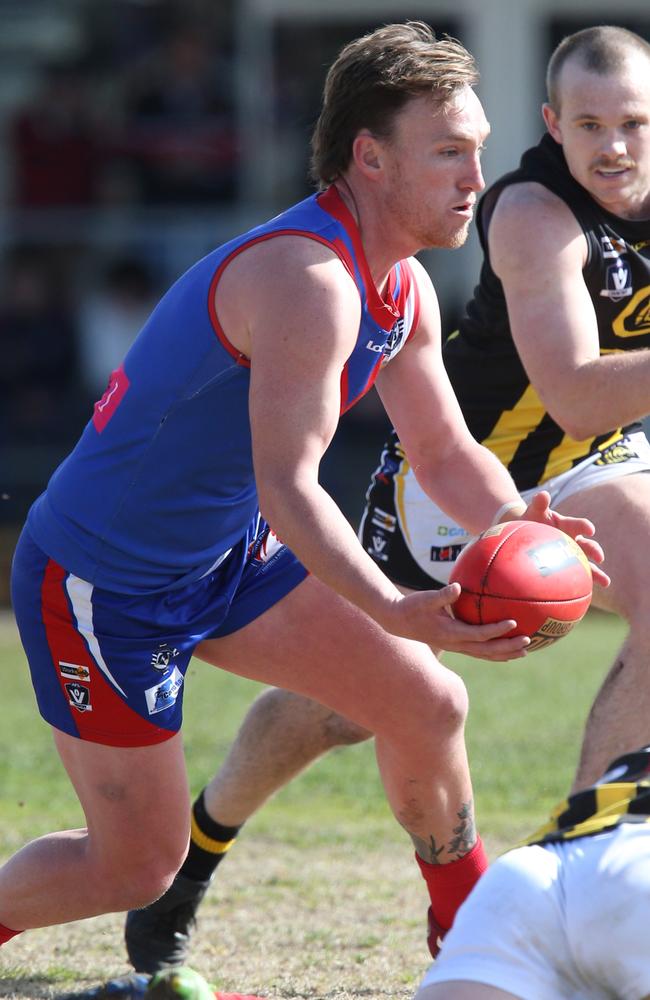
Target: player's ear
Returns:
[[552, 122], [366, 154]]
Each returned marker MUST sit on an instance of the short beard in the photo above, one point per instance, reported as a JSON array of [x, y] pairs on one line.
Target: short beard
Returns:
[[448, 241]]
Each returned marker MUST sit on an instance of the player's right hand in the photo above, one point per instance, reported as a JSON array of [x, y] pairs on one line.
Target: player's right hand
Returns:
[[428, 617]]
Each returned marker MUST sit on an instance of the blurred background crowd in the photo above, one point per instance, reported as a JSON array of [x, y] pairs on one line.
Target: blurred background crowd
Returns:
[[139, 134]]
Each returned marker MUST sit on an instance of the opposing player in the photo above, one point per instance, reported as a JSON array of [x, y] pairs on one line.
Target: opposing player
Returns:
[[565, 916], [550, 364], [553, 374], [150, 544]]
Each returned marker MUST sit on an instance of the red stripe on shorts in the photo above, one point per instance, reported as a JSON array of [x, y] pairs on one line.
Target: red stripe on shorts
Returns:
[[99, 712]]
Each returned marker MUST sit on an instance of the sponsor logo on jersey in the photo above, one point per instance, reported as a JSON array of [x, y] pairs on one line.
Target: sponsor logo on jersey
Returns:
[[392, 343], [162, 696], [77, 670], [79, 696], [162, 657]]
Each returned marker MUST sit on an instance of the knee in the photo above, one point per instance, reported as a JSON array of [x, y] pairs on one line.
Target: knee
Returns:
[[137, 877], [442, 705], [146, 886], [138, 885]]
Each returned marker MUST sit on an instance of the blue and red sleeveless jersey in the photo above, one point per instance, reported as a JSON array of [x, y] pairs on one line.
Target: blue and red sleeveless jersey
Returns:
[[161, 484]]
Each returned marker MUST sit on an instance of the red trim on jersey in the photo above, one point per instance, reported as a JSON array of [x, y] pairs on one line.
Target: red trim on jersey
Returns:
[[369, 384], [337, 246], [98, 702], [383, 312], [408, 282]]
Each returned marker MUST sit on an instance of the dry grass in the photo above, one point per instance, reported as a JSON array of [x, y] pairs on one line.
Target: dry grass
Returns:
[[330, 922]]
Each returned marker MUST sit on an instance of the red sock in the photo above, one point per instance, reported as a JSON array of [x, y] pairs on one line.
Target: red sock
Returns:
[[450, 884], [6, 933]]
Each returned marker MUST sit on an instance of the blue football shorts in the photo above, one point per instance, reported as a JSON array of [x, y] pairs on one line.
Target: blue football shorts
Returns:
[[110, 667]]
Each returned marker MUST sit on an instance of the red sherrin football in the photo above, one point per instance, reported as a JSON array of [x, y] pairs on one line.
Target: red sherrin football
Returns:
[[527, 571]]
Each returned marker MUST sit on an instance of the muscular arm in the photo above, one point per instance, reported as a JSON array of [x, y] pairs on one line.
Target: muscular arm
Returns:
[[462, 476], [300, 315], [538, 251]]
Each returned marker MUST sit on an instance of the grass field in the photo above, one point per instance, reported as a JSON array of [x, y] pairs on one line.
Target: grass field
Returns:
[[321, 897]]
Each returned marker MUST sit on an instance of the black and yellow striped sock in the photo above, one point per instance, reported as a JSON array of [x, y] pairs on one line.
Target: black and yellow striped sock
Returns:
[[209, 843]]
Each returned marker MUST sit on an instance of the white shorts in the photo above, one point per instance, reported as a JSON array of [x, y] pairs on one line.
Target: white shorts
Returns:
[[567, 921], [416, 543]]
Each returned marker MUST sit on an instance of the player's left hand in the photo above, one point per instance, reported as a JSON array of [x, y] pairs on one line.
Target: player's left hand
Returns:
[[581, 529]]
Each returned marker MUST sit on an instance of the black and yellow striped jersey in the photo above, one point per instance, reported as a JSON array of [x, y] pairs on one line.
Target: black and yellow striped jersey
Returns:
[[501, 407], [621, 796]]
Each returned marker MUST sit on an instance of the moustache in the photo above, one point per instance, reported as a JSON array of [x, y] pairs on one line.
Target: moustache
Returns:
[[617, 165]]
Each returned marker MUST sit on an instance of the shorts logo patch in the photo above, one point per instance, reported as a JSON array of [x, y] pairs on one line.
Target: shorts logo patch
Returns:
[[79, 696], [445, 553], [379, 543], [265, 546], [77, 670], [162, 696], [382, 519], [163, 656], [620, 451]]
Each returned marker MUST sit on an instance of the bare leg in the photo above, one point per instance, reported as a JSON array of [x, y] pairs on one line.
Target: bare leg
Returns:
[[619, 719], [137, 812], [281, 735], [387, 685]]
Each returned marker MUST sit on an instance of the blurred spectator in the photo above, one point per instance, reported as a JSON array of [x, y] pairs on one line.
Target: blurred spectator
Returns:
[[54, 143], [39, 403], [110, 319], [180, 130]]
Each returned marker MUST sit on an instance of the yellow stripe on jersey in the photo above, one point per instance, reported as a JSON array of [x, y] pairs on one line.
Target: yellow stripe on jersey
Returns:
[[564, 457], [513, 425], [400, 477], [208, 843], [609, 805]]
